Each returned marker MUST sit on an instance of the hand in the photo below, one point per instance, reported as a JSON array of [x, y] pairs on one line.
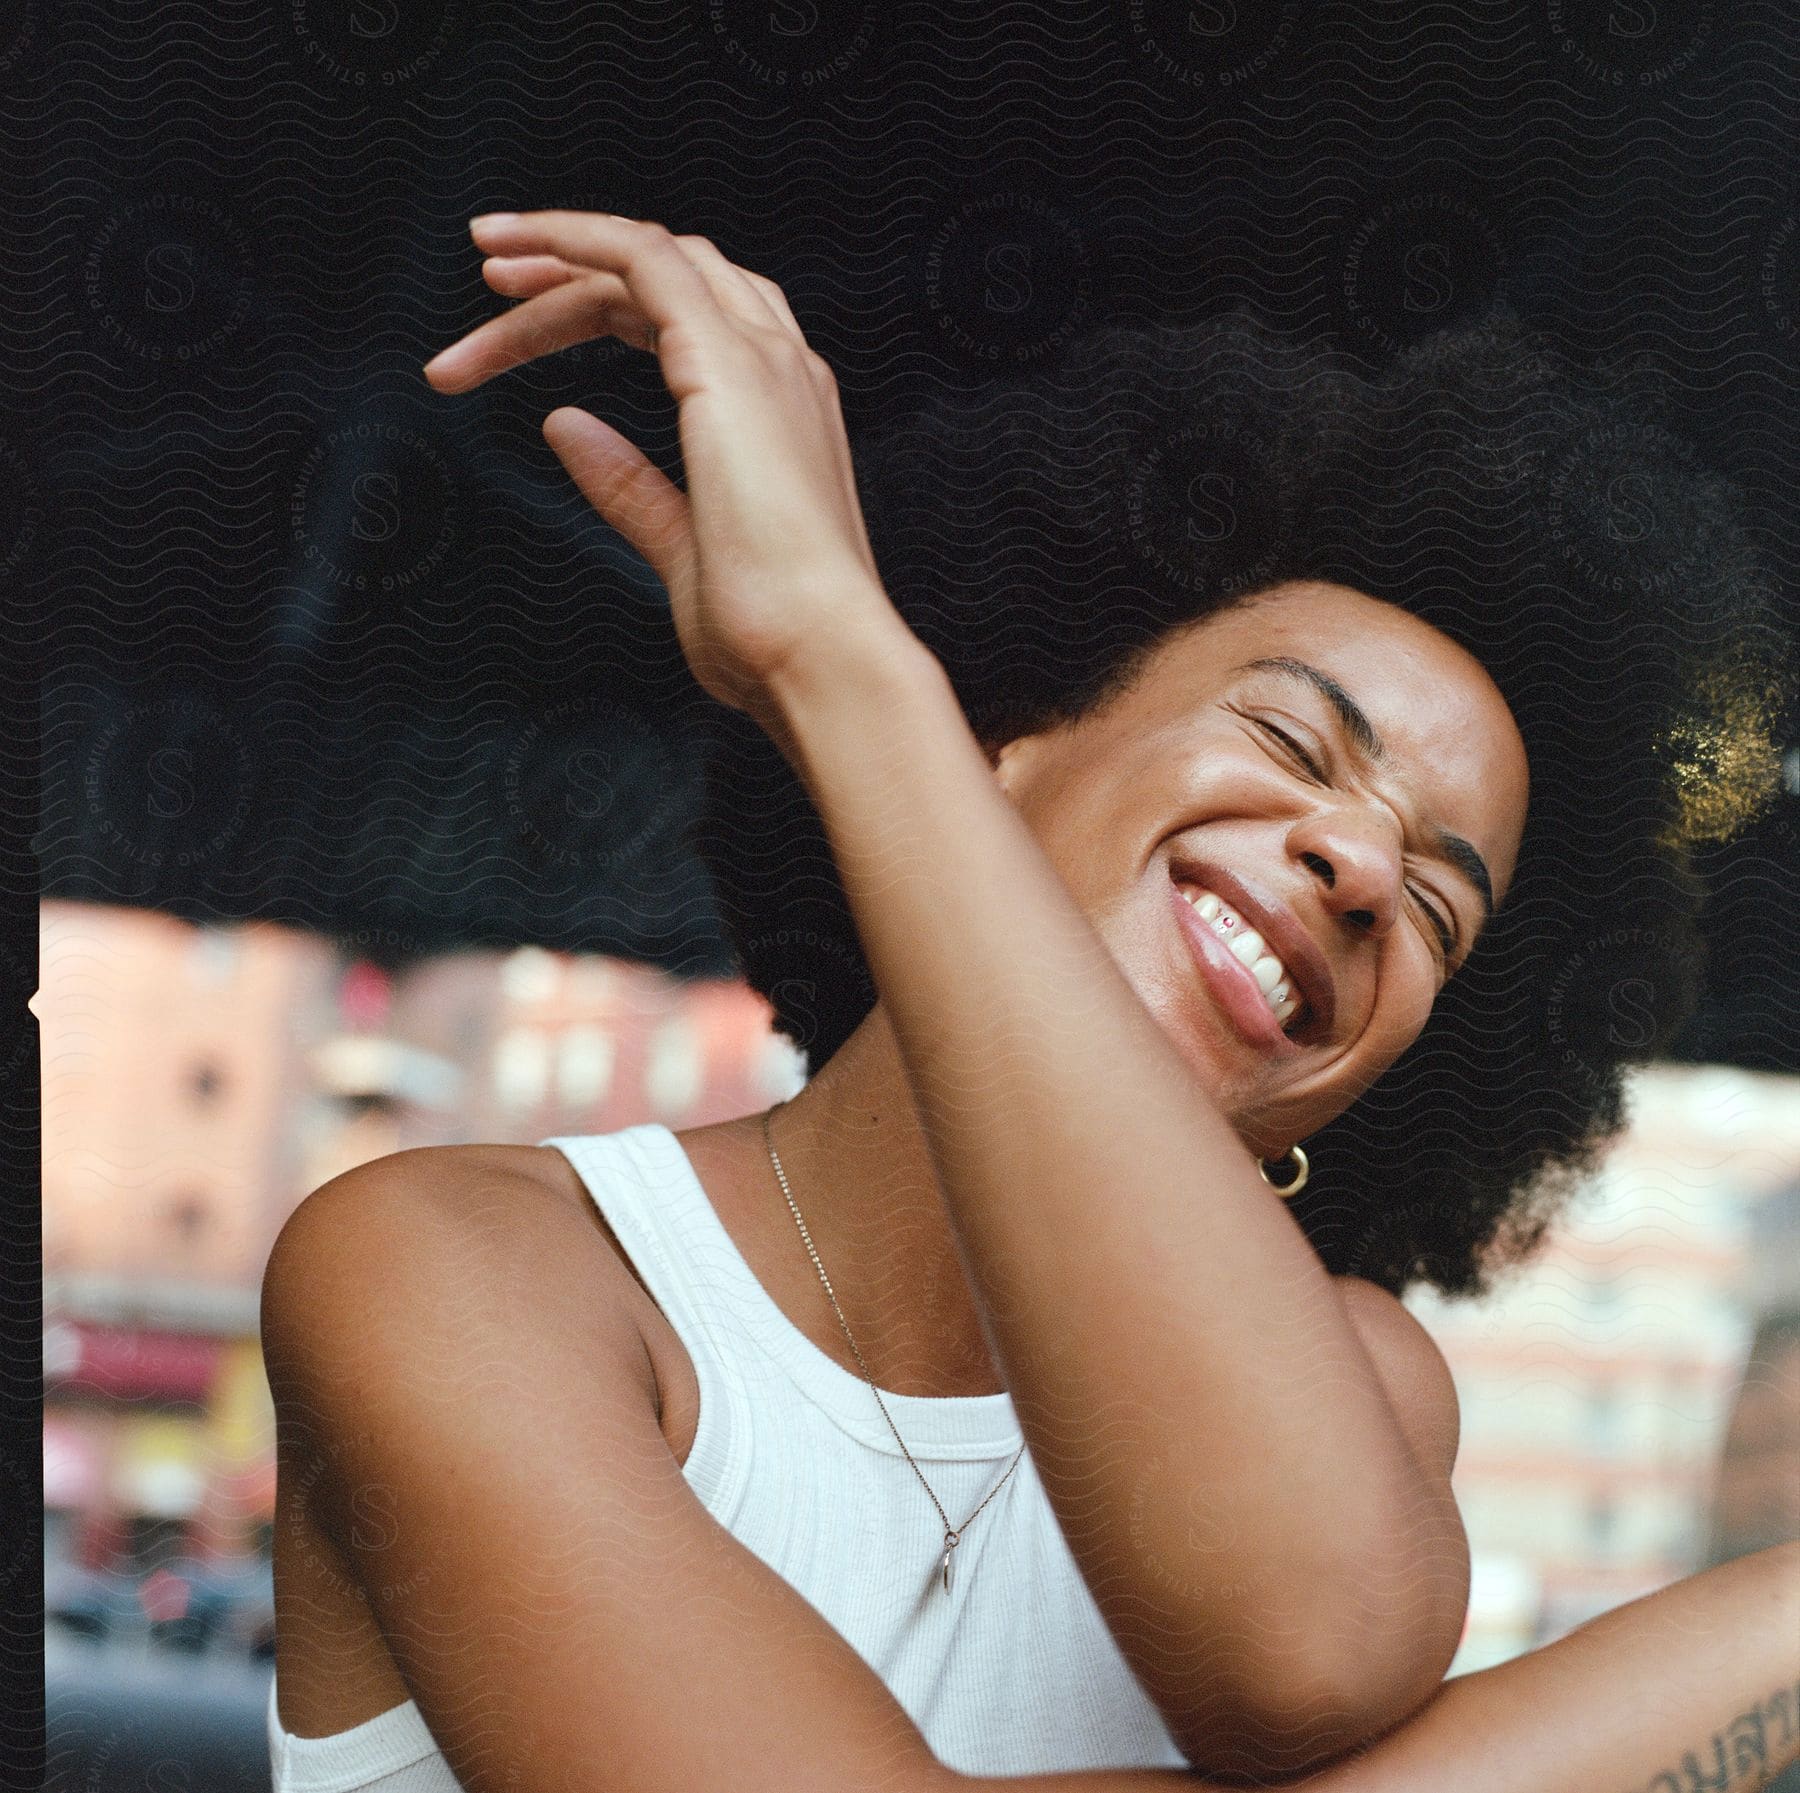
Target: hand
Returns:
[[764, 555]]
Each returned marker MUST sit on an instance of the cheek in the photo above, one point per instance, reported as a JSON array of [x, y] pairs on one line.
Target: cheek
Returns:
[[1089, 831], [1405, 991]]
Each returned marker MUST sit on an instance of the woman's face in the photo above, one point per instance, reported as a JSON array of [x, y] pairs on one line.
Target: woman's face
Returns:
[[1314, 765]]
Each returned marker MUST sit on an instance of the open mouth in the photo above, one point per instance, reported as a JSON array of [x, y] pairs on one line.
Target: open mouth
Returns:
[[1273, 1002]]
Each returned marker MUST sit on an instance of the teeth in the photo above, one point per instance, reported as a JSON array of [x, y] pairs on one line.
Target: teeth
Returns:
[[1247, 947], [1267, 973]]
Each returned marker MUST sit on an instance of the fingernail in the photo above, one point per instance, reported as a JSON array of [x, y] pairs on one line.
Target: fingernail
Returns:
[[494, 218]]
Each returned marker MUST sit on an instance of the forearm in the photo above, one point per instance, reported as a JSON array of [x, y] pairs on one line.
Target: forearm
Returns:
[[1212, 1435], [1694, 1687]]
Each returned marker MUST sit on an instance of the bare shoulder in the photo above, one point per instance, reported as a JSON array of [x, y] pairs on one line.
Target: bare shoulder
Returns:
[[415, 1257], [454, 1181], [501, 1199], [1411, 1367], [353, 1303]]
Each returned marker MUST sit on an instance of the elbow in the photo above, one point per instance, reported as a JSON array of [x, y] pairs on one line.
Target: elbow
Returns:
[[1395, 1635], [1358, 1673], [1293, 1724], [1387, 1622], [1385, 1684], [1291, 1721]]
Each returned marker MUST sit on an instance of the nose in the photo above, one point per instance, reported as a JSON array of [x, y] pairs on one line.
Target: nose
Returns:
[[1356, 858]]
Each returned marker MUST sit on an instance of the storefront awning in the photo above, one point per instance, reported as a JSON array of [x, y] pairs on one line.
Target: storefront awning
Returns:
[[130, 1363]]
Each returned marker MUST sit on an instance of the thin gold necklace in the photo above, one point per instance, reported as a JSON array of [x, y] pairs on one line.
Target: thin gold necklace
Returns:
[[952, 1536]]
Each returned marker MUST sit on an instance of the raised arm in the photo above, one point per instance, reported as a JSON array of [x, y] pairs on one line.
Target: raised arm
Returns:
[[1172, 1343], [1181, 1362]]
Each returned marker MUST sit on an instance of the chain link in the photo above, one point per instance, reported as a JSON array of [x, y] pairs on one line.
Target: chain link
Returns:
[[952, 1537]]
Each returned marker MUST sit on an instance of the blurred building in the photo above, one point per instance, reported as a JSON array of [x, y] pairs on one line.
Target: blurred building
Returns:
[[198, 1082], [1598, 1385], [530, 1044], [169, 1065], [1758, 1497]]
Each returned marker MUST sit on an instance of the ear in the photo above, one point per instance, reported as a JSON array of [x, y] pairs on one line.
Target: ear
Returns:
[[1013, 761]]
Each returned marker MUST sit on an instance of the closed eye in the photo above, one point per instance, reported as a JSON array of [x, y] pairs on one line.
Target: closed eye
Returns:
[[1313, 768], [1297, 751], [1444, 931]]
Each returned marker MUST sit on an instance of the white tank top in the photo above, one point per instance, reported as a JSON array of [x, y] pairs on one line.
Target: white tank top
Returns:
[[1014, 1672]]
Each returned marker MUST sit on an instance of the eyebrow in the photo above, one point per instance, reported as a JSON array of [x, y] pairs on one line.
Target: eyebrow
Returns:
[[1459, 852]]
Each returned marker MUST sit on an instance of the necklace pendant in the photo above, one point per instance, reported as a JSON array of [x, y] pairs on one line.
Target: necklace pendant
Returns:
[[950, 1543]]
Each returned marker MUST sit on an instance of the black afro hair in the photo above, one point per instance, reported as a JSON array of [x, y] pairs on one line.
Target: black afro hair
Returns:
[[1044, 536]]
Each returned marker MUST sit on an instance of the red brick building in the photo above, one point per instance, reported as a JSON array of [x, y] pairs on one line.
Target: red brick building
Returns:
[[198, 1082]]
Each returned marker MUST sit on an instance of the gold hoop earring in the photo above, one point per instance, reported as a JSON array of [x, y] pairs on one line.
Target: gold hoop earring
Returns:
[[1302, 1170]]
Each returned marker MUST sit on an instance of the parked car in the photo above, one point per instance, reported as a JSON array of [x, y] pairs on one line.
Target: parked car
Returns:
[[97, 1605], [228, 1608], [188, 1604]]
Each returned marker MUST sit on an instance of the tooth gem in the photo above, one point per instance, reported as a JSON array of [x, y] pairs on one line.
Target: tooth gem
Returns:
[[1248, 949]]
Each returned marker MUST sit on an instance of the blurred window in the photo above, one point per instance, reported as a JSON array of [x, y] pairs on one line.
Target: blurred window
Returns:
[[675, 1070], [1604, 1430], [1602, 1522], [188, 1215], [584, 1065], [59, 1534], [1602, 1296], [213, 956], [521, 1068], [151, 1542], [777, 1068], [531, 975]]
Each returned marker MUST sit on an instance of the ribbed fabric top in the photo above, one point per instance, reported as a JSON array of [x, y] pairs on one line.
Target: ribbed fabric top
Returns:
[[1013, 1672]]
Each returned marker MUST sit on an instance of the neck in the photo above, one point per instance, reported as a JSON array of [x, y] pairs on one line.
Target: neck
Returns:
[[862, 1177]]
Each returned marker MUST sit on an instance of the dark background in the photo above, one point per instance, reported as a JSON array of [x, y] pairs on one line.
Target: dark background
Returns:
[[326, 648]]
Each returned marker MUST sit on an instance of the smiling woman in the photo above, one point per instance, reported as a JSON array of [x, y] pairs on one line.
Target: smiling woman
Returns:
[[1348, 823], [1194, 743]]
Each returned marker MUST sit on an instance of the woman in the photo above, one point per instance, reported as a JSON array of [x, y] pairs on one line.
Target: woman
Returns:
[[1136, 922]]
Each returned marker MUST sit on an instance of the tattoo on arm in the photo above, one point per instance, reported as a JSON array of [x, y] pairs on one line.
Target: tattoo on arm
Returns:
[[1744, 1756]]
